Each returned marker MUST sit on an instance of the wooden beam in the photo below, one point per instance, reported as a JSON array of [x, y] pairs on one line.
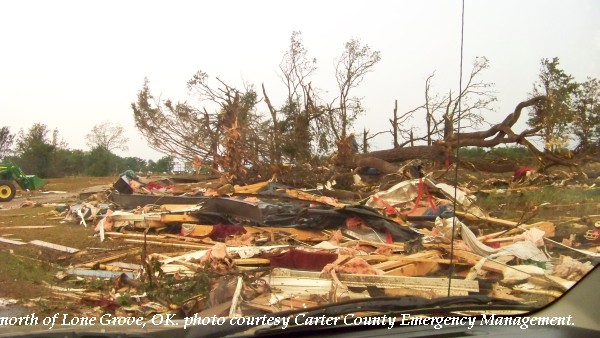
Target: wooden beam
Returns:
[[177, 207], [10, 241], [548, 228], [178, 218], [128, 266], [167, 244], [440, 285], [491, 265], [132, 235], [54, 246], [303, 235], [498, 221], [111, 257], [99, 273], [251, 261], [30, 226], [250, 189]]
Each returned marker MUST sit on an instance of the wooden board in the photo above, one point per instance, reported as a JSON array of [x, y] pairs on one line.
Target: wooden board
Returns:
[[250, 189], [178, 218], [11, 241], [177, 207], [491, 265], [299, 234], [439, 285], [30, 226], [111, 257], [99, 273], [54, 246], [167, 244]]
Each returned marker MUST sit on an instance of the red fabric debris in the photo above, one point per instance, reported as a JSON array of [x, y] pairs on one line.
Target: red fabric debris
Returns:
[[221, 231], [522, 172], [388, 237], [422, 188], [302, 260], [389, 209], [155, 186]]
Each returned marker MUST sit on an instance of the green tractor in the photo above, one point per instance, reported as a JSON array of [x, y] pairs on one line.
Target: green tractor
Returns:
[[9, 173]]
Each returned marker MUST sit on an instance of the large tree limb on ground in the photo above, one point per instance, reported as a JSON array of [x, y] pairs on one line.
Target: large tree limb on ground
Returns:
[[443, 150]]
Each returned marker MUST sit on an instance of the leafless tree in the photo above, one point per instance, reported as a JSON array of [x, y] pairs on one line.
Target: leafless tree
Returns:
[[355, 62], [107, 135]]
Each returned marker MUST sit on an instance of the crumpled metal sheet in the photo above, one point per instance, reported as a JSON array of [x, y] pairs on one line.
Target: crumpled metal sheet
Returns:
[[402, 192]]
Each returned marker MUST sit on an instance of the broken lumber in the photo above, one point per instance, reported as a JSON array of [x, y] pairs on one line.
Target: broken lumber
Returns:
[[177, 207], [250, 189], [304, 235], [585, 252], [30, 226], [178, 218], [499, 221], [548, 228], [438, 285], [168, 244], [507, 271], [10, 241], [128, 266], [418, 264], [110, 258], [98, 273], [54, 246]]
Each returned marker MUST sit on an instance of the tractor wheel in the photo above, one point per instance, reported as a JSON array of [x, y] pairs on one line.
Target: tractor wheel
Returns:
[[7, 191]]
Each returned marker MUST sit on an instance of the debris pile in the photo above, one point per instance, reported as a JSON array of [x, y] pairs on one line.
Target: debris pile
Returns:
[[248, 250]]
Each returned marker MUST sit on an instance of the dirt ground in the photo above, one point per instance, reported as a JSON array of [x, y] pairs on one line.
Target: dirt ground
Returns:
[[25, 269]]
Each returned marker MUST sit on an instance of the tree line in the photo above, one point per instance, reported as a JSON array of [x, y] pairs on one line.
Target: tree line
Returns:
[[42, 152]]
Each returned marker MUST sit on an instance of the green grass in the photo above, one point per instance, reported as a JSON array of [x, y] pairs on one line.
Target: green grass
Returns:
[[22, 276], [563, 201]]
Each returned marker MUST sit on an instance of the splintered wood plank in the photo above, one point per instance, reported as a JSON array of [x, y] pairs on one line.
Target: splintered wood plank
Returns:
[[251, 261], [548, 227], [178, 218], [128, 266], [507, 271], [177, 207], [54, 246], [250, 189], [414, 269], [148, 224], [419, 264], [132, 235], [111, 257], [299, 234], [314, 198], [167, 244]]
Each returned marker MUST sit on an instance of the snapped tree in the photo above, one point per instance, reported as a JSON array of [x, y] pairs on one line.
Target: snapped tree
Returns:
[[225, 138]]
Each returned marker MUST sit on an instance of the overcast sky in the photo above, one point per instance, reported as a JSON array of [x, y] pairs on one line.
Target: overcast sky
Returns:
[[73, 64]]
